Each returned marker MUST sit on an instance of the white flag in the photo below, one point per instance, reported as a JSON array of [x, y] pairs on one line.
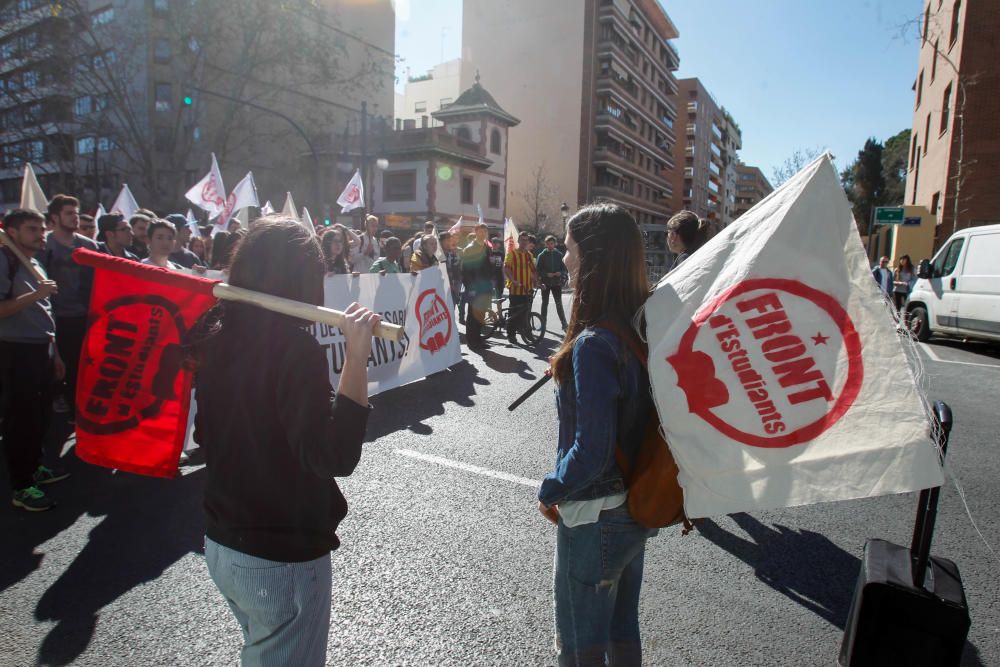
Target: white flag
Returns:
[[307, 221], [100, 211], [192, 223], [267, 209], [31, 192], [243, 195], [209, 194], [457, 227], [125, 204], [289, 207], [510, 235], [353, 195], [243, 215], [777, 370]]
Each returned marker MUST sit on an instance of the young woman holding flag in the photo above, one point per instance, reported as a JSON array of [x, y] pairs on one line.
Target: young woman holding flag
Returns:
[[274, 441], [603, 402]]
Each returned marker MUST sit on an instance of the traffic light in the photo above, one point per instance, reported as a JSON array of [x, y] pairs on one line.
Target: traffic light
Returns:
[[188, 100], [326, 222]]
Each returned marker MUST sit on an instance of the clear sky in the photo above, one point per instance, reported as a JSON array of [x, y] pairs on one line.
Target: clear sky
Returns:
[[795, 74]]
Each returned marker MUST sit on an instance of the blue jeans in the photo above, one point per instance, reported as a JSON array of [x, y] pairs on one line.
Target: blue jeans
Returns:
[[282, 608], [598, 574]]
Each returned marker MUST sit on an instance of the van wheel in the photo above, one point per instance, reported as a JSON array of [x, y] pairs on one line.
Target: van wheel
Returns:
[[919, 326]]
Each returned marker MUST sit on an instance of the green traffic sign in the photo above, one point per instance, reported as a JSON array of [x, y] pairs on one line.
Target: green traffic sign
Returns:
[[889, 215]]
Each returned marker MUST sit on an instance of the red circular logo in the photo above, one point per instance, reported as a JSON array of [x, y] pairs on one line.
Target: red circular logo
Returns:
[[434, 318], [760, 362]]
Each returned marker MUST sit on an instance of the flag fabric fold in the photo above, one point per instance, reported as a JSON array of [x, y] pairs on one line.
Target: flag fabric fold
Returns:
[[31, 192], [209, 194], [267, 209], [778, 373], [100, 211], [353, 195], [125, 204], [134, 388], [510, 234], [307, 221]]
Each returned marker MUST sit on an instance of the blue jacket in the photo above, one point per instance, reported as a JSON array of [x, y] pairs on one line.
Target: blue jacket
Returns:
[[607, 403]]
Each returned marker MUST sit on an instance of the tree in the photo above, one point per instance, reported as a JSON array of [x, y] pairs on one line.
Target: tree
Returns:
[[894, 158], [864, 182], [538, 208], [793, 164], [155, 130]]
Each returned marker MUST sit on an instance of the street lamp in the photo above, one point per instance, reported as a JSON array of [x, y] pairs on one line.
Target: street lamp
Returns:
[[564, 210]]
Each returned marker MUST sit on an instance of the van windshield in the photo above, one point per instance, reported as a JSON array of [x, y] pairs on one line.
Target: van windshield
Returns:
[[947, 259]]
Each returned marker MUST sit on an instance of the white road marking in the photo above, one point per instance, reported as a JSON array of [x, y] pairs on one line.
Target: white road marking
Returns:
[[468, 467], [934, 357]]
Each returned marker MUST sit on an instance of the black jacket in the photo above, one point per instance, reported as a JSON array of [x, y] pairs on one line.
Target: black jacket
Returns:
[[274, 439]]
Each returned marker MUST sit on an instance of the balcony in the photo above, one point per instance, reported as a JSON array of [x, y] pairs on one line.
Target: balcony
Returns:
[[688, 172], [691, 128], [692, 107], [689, 151]]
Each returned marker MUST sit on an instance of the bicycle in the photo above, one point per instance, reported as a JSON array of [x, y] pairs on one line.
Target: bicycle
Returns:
[[496, 320]]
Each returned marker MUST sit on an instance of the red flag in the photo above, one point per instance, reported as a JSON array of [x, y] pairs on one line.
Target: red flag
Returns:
[[134, 391]]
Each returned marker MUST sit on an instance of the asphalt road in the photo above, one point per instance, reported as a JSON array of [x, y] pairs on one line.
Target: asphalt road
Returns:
[[445, 560]]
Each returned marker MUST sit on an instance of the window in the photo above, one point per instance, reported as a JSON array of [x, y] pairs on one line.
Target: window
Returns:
[[945, 109], [399, 185], [162, 51], [36, 151], [103, 17], [927, 20], [934, 59], [956, 11], [30, 79], [913, 150], [85, 145], [445, 101], [920, 87], [935, 200], [495, 141], [494, 195], [420, 107], [82, 106], [463, 133], [927, 131], [947, 259], [164, 93], [466, 190], [105, 144]]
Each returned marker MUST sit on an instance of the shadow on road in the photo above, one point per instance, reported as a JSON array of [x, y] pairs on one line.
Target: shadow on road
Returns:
[[802, 565], [982, 348], [408, 407], [148, 525]]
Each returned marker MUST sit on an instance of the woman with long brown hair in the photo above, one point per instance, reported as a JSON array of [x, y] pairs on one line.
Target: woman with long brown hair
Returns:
[[274, 441], [603, 403]]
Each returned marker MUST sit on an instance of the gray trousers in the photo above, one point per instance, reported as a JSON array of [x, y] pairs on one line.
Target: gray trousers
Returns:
[[282, 608]]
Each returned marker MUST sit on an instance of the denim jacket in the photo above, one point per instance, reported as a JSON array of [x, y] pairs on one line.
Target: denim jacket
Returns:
[[607, 403]]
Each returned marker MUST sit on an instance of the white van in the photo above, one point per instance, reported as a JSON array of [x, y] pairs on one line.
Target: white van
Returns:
[[958, 292]]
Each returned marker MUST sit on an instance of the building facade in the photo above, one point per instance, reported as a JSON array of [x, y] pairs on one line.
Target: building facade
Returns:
[[954, 161], [596, 90], [706, 184], [751, 187], [101, 93], [451, 170], [433, 91]]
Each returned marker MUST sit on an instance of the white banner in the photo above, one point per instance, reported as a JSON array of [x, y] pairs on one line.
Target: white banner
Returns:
[[777, 370], [422, 303]]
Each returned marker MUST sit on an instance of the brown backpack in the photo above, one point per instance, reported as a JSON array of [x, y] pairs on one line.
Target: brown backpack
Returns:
[[655, 498]]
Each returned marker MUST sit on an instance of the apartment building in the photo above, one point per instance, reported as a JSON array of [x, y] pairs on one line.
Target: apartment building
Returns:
[[707, 182], [101, 93], [597, 96], [751, 187], [426, 93], [954, 160]]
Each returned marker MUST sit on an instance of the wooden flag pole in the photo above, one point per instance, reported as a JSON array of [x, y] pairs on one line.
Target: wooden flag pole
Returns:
[[9, 242], [305, 311]]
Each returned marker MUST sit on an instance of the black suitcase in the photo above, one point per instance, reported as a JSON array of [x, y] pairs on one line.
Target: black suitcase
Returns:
[[909, 608]]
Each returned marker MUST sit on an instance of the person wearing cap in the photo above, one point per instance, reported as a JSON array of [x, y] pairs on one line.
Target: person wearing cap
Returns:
[[181, 255], [114, 236]]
